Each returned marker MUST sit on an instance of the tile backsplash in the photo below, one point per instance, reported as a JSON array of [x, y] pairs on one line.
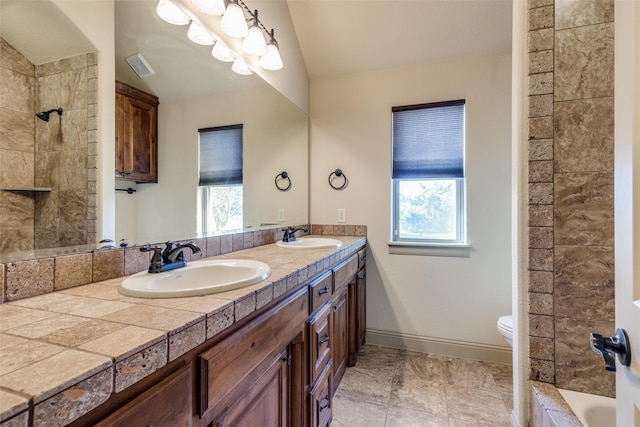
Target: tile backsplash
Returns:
[[29, 278]]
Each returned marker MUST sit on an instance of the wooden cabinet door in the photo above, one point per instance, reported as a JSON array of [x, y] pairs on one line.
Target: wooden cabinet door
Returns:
[[140, 140], [320, 341], [168, 404], [265, 403], [321, 399], [340, 336], [361, 307]]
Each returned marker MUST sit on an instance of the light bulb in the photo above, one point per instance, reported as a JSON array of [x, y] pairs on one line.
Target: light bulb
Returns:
[[272, 60], [233, 22], [210, 7], [221, 52], [254, 43], [199, 35], [241, 67], [171, 13]]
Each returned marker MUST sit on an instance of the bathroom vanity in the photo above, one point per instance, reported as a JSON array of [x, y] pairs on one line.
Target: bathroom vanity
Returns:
[[271, 354]]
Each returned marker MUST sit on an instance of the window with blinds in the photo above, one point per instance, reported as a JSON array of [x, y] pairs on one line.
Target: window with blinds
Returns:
[[220, 194], [428, 173]]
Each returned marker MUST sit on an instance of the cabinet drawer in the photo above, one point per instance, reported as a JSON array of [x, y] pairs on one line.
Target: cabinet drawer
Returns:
[[321, 401], [362, 258], [319, 340], [343, 273], [167, 404], [320, 291]]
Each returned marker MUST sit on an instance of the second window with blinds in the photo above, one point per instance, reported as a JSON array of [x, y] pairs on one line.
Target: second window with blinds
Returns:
[[428, 173], [220, 183]]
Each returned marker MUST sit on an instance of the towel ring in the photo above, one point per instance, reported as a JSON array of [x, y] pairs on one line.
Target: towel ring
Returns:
[[281, 177], [338, 173]]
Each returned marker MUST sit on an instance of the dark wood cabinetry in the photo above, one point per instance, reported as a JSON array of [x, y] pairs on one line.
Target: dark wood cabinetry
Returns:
[[278, 367], [136, 134], [167, 404]]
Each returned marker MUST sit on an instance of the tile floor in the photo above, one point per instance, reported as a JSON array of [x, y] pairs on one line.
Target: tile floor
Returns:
[[397, 388]]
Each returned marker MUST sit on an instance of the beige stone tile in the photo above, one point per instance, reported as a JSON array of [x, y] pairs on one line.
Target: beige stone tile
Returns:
[[124, 342], [541, 348], [541, 149], [542, 370], [584, 282], [16, 240], [540, 303], [108, 265], [477, 405], [364, 385], [49, 376], [541, 61], [584, 135], [17, 91], [62, 65], [9, 341], [541, 326], [16, 210], [541, 84], [577, 366], [68, 88], [93, 290], [404, 417], [16, 130], [72, 270], [213, 246], [220, 320], [264, 296], [101, 309], [135, 314], [42, 328], [80, 333], [540, 127], [24, 354], [245, 306], [132, 369], [414, 364], [541, 39], [541, 259], [28, 278], [540, 106], [541, 215], [541, 17], [590, 50], [13, 316], [578, 13], [11, 404], [347, 413], [17, 169], [467, 373], [541, 171], [14, 60], [135, 260], [171, 320], [541, 281], [416, 393], [59, 303], [65, 407], [186, 339], [541, 237]]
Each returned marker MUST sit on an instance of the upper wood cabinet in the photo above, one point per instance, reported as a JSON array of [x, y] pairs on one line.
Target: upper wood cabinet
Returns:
[[136, 134]]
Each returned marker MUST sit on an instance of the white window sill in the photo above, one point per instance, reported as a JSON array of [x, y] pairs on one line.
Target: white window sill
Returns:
[[457, 250]]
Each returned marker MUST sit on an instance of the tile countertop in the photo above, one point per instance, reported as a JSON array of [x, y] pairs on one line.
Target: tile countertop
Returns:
[[66, 352]]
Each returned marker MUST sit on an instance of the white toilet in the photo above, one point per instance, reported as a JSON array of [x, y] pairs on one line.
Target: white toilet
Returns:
[[505, 327]]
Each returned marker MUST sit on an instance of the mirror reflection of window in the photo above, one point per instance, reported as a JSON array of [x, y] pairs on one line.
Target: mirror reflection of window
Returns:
[[220, 184]]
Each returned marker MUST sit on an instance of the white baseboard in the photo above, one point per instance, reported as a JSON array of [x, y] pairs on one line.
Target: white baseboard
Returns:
[[469, 350]]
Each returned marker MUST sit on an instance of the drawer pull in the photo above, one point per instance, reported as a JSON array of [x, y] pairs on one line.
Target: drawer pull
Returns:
[[324, 339], [361, 276], [324, 404], [324, 290]]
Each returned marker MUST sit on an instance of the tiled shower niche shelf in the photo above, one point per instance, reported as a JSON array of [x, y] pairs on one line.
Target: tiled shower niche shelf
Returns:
[[28, 189]]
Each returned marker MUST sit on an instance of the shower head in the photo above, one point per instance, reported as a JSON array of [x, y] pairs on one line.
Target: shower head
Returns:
[[45, 114]]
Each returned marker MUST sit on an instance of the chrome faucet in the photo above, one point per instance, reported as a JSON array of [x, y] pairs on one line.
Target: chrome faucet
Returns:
[[170, 258], [289, 233]]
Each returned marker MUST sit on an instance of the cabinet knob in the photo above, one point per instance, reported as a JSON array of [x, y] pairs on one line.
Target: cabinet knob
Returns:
[[324, 404], [324, 339], [324, 290]]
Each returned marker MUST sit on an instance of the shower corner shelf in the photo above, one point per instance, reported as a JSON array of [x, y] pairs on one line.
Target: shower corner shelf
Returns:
[[30, 189]]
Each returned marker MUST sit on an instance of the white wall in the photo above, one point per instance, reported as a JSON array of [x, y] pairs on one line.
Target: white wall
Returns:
[[422, 302], [275, 136]]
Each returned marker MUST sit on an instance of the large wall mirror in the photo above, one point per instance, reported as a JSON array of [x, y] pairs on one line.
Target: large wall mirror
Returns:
[[195, 91]]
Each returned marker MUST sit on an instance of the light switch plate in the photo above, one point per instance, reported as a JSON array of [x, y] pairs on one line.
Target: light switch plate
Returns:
[[342, 215], [280, 215]]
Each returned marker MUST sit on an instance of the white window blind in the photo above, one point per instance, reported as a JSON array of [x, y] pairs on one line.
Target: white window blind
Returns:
[[221, 155]]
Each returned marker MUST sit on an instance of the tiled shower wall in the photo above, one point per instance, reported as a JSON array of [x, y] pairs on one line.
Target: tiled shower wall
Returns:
[[17, 149], [60, 154], [571, 255]]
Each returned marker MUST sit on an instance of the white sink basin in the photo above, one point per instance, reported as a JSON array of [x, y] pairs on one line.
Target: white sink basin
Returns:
[[310, 243], [197, 278]]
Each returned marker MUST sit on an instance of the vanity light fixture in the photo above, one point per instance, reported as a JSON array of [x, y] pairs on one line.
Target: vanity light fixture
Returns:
[[171, 13], [199, 35], [222, 52], [241, 67], [272, 60], [210, 7], [254, 43], [233, 22]]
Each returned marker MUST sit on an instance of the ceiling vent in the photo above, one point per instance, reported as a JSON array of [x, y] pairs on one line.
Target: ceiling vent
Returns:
[[140, 66]]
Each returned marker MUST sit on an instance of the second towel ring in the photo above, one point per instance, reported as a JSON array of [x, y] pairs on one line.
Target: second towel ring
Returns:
[[338, 173], [280, 177]]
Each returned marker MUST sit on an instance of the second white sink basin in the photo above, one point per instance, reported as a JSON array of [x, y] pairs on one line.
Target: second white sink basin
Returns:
[[310, 243], [197, 278]]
